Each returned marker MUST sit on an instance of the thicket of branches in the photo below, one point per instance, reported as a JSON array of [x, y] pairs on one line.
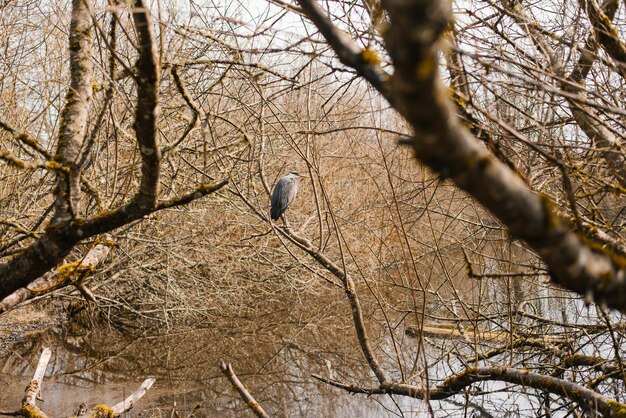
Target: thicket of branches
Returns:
[[458, 248]]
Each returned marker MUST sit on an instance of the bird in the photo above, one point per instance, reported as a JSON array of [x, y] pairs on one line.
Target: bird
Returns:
[[283, 194]]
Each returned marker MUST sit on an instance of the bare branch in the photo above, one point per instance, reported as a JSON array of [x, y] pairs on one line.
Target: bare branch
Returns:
[[453, 385], [128, 403], [606, 33], [243, 392], [147, 110]]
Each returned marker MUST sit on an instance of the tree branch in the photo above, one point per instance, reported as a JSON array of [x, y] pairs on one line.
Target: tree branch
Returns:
[[606, 33], [455, 384], [243, 392], [29, 403], [75, 113], [147, 110]]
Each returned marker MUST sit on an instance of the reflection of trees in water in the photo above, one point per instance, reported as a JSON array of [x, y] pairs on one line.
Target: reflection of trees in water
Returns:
[[91, 349]]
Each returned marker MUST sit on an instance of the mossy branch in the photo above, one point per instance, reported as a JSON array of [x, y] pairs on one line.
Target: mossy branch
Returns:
[[458, 382], [198, 192]]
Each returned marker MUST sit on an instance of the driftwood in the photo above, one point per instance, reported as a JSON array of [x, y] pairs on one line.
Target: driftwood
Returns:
[[66, 274], [30, 409], [29, 406], [243, 392]]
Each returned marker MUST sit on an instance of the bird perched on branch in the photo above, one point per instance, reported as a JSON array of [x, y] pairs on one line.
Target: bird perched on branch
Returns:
[[284, 192]]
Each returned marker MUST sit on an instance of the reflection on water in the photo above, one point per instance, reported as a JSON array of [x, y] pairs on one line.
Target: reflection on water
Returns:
[[104, 366], [99, 363]]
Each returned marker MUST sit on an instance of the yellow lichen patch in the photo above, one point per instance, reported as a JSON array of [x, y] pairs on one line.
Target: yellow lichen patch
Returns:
[[602, 248], [66, 271], [552, 221], [607, 26], [460, 101], [102, 411], [370, 56], [56, 166]]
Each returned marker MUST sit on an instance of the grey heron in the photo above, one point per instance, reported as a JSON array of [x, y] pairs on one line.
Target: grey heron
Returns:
[[284, 192]]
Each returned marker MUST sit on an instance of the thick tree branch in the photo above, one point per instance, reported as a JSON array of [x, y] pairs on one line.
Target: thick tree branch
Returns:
[[147, 110], [29, 403], [606, 33], [128, 403], [75, 114], [455, 384]]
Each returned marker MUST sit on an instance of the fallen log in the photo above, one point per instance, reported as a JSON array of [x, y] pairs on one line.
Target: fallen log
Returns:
[[66, 274]]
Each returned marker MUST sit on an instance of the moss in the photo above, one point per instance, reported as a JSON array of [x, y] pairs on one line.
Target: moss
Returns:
[[606, 24], [27, 139], [206, 187], [57, 166], [103, 215], [30, 411], [603, 248], [66, 271], [102, 411], [370, 56], [457, 98], [12, 160], [619, 409]]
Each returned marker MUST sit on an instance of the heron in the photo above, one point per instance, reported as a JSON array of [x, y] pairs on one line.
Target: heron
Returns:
[[284, 192]]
